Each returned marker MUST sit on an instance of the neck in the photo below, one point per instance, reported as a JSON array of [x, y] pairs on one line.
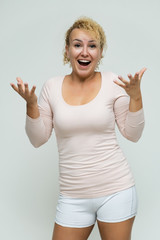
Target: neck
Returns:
[[80, 79]]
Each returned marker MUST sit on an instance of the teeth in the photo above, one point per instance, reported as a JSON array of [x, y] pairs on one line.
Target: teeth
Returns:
[[85, 61]]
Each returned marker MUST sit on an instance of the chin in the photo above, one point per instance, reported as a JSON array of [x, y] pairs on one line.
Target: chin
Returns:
[[84, 73]]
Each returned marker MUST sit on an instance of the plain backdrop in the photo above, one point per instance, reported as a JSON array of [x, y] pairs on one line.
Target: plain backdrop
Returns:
[[31, 45]]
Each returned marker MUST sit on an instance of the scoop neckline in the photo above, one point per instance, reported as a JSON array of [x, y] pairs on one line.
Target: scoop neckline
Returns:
[[82, 105]]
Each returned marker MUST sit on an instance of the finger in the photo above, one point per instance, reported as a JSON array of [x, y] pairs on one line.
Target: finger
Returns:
[[141, 72], [20, 89], [14, 87], [33, 89], [131, 78], [119, 84], [19, 80], [136, 76], [123, 80], [26, 88]]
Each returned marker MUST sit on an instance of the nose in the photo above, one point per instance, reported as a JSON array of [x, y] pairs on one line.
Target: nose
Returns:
[[84, 52]]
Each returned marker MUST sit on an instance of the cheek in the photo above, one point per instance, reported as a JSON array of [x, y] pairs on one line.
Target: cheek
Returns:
[[73, 53], [96, 55]]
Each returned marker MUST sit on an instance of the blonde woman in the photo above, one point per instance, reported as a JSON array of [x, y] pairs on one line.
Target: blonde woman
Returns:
[[96, 183]]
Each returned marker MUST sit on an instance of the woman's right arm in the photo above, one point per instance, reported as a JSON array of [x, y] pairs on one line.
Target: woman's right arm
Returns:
[[29, 96], [38, 121]]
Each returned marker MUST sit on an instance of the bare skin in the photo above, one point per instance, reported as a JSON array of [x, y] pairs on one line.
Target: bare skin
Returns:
[[132, 88], [116, 231], [67, 233], [78, 94], [108, 231], [29, 96]]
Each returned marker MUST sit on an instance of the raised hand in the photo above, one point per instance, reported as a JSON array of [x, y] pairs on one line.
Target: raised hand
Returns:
[[132, 87], [23, 90], [30, 97]]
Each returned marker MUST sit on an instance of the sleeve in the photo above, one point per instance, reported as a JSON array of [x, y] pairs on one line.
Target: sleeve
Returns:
[[130, 124], [39, 130]]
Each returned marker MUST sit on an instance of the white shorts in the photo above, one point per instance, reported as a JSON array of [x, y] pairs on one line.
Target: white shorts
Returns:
[[83, 212]]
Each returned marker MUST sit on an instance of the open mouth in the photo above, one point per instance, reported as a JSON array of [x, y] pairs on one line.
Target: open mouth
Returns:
[[84, 62]]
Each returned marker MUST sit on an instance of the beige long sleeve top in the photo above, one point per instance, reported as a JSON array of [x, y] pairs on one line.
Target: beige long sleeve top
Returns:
[[91, 162]]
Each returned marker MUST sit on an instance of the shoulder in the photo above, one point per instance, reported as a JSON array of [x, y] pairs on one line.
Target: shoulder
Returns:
[[110, 76], [52, 81], [108, 79], [50, 86], [115, 89]]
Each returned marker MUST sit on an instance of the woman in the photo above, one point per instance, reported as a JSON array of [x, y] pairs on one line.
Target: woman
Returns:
[[95, 179]]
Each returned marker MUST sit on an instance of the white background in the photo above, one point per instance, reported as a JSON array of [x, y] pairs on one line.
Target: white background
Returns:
[[31, 45]]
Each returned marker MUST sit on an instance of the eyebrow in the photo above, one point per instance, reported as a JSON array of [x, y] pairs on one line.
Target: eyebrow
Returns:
[[81, 40]]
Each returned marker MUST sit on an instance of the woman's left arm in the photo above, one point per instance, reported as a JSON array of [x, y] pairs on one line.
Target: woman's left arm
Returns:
[[132, 88], [130, 116]]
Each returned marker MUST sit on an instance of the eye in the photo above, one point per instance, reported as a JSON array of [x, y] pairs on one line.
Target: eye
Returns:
[[93, 46], [77, 45]]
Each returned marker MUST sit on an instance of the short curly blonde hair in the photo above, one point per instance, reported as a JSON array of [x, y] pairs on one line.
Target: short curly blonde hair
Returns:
[[89, 25]]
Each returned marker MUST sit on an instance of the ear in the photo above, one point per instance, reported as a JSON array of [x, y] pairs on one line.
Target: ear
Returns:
[[101, 52], [67, 51]]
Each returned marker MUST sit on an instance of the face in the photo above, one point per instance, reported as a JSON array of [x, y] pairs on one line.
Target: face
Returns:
[[84, 52]]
